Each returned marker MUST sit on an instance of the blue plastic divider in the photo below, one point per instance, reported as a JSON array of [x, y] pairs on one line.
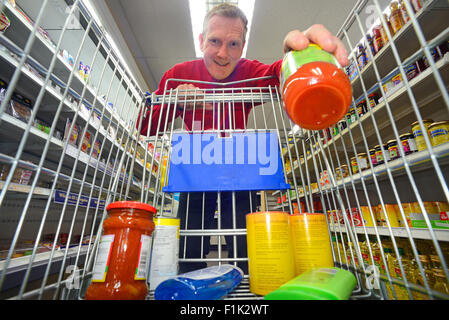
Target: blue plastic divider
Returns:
[[209, 162]]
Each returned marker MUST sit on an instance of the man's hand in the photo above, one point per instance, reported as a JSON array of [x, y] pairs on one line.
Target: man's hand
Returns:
[[187, 93], [318, 34]]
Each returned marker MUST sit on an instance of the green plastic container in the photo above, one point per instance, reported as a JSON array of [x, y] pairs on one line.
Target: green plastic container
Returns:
[[317, 284]]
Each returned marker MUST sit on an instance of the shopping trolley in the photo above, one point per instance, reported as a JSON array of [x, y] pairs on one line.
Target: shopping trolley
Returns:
[[387, 217]]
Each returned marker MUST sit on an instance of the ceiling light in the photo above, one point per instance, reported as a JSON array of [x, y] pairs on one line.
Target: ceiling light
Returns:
[[198, 10]]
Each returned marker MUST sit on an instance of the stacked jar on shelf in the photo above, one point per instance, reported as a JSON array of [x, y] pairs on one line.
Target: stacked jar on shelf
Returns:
[[411, 142], [427, 255]]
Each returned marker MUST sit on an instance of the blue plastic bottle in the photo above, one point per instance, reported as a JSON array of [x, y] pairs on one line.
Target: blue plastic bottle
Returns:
[[210, 283]]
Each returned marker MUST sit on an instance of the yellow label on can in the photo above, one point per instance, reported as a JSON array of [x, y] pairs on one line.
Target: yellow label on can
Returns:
[[439, 133], [418, 134], [270, 251], [311, 242]]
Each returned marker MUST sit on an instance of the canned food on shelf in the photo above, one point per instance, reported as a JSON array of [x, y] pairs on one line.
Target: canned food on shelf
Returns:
[[418, 133], [408, 143], [392, 146], [379, 155], [372, 155], [439, 132]]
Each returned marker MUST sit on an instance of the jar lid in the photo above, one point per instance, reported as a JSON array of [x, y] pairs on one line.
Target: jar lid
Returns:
[[392, 141], [267, 213], [131, 205], [408, 134], [424, 121], [438, 123]]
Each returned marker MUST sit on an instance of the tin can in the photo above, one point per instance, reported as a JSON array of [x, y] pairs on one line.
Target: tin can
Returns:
[[379, 155], [392, 146], [418, 134], [439, 132], [311, 242], [372, 155], [164, 258], [362, 161], [408, 143], [271, 261], [373, 99]]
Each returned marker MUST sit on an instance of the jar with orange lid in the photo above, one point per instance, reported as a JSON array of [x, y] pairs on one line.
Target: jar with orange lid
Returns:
[[315, 91], [122, 263]]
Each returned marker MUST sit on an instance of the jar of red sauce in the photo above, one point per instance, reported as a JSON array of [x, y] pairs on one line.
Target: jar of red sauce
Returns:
[[122, 262], [316, 93]]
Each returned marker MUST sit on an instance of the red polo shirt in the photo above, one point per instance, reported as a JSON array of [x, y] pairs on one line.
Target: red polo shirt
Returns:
[[205, 120]]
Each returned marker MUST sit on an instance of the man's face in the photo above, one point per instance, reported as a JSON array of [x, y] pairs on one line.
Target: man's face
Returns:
[[222, 45]]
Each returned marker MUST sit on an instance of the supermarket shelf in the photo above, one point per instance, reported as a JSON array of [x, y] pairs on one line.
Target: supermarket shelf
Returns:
[[18, 266], [417, 233], [43, 50], [417, 161], [425, 92], [50, 174], [25, 189], [432, 19]]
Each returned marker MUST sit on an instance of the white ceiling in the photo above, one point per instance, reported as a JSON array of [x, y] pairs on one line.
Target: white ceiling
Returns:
[[157, 33]]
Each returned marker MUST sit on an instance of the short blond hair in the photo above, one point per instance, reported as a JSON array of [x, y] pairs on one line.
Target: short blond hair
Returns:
[[229, 11]]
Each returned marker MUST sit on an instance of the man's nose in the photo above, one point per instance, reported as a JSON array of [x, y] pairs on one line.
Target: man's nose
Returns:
[[222, 51]]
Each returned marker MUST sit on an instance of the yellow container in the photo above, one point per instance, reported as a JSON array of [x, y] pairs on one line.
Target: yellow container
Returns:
[[439, 133], [393, 216], [442, 206], [408, 209], [418, 134], [311, 242], [270, 251], [367, 219]]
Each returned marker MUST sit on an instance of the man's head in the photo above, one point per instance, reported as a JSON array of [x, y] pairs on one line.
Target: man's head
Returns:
[[223, 39]]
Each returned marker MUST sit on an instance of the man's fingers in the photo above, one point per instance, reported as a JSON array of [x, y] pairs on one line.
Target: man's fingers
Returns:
[[321, 36], [318, 34], [295, 40]]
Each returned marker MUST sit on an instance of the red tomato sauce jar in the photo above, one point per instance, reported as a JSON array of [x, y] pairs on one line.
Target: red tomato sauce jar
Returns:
[[121, 266], [316, 93]]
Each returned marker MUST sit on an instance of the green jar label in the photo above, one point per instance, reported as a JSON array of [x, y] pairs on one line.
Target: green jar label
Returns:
[[293, 60]]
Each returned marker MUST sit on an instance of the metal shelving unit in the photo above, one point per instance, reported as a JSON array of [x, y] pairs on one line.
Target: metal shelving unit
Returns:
[[105, 104]]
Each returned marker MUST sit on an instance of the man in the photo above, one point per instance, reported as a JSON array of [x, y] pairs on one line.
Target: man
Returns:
[[222, 42]]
